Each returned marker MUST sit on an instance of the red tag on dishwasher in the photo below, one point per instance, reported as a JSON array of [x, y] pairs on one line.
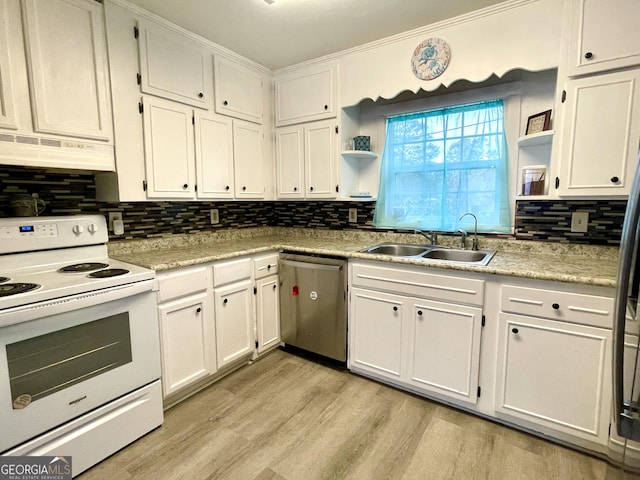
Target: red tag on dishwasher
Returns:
[[294, 291]]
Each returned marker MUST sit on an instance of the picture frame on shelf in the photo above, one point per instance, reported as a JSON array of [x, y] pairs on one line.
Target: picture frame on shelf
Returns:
[[532, 180], [539, 122]]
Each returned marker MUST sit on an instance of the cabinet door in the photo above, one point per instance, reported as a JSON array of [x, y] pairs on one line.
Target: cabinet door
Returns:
[[267, 313], [601, 126], [168, 149], [7, 107], [187, 341], [214, 155], [234, 331], [248, 161], [445, 349], [320, 159], [376, 333], [173, 66], [554, 374], [290, 161], [307, 94], [238, 91], [604, 35], [68, 72]]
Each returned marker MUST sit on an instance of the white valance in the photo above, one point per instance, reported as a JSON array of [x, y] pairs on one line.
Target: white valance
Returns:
[[513, 35]]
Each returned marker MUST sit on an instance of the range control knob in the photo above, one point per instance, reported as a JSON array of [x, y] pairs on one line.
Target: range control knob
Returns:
[[77, 229], [92, 228]]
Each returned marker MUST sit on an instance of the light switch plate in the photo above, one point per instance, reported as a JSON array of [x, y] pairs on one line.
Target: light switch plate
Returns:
[[213, 214], [353, 215], [579, 222]]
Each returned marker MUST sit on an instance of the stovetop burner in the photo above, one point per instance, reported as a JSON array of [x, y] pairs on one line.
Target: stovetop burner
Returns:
[[109, 272], [83, 267], [7, 289], [4, 279]]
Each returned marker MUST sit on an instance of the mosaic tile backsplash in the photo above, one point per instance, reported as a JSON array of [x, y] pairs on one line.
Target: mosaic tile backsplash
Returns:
[[70, 193]]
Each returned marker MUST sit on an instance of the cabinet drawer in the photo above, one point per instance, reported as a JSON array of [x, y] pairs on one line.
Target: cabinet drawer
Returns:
[[419, 284], [568, 307], [231, 271], [265, 265], [180, 283]]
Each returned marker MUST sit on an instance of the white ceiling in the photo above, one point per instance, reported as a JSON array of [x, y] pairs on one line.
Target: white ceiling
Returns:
[[292, 31]]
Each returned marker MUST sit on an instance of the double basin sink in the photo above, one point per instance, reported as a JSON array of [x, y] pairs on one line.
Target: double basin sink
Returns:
[[432, 252]]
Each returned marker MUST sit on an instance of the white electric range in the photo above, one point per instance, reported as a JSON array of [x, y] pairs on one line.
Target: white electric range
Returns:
[[79, 342]]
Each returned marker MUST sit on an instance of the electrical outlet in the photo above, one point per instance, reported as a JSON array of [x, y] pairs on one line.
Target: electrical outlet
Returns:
[[214, 216], [114, 216], [353, 215], [579, 221]]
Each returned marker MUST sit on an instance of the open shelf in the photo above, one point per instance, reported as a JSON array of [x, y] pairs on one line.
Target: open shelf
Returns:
[[359, 154], [540, 138]]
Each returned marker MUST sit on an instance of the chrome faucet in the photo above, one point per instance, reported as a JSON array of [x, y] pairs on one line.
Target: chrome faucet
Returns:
[[431, 236], [463, 238], [474, 245]]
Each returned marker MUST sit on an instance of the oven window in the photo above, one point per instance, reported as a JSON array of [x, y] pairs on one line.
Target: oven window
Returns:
[[43, 365]]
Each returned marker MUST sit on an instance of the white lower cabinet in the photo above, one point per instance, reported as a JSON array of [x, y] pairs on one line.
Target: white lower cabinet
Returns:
[[544, 347], [425, 345], [553, 371], [445, 349], [267, 313], [555, 374], [210, 323], [376, 332], [187, 330], [233, 308], [267, 302], [234, 332]]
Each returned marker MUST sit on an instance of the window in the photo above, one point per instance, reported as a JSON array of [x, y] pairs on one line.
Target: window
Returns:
[[442, 163]]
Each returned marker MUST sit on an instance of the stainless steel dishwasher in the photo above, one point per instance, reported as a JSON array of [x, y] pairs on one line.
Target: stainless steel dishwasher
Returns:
[[313, 292]]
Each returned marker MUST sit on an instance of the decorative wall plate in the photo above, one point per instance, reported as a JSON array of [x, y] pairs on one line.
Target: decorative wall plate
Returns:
[[430, 58]]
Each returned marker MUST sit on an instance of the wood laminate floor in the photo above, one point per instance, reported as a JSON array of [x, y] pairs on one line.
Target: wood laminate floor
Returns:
[[286, 418]]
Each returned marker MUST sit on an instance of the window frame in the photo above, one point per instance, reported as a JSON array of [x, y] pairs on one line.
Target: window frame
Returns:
[[509, 93]]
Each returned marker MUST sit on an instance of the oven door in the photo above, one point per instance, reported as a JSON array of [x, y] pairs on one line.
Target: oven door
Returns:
[[74, 358]]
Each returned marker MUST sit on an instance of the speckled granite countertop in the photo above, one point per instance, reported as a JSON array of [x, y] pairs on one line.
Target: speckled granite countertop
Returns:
[[591, 265]]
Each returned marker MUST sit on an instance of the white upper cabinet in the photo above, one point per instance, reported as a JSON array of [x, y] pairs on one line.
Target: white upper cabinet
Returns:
[[169, 149], [7, 107], [238, 91], [306, 160], [214, 155], [600, 131], [290, 161], [173, 66], [604, 35], [247, 148], [199, 155], [55, 105], [307, 94], [68, 71], [320, 159]]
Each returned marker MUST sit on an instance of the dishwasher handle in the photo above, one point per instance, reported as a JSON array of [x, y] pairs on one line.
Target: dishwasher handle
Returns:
[[315, 266]]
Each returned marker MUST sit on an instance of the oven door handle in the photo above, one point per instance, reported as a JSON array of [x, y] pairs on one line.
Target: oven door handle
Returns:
[[33, 311]]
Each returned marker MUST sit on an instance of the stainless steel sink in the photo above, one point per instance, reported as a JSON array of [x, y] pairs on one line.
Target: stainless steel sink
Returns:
[[432, 252], [476, 257], [397, 249]]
